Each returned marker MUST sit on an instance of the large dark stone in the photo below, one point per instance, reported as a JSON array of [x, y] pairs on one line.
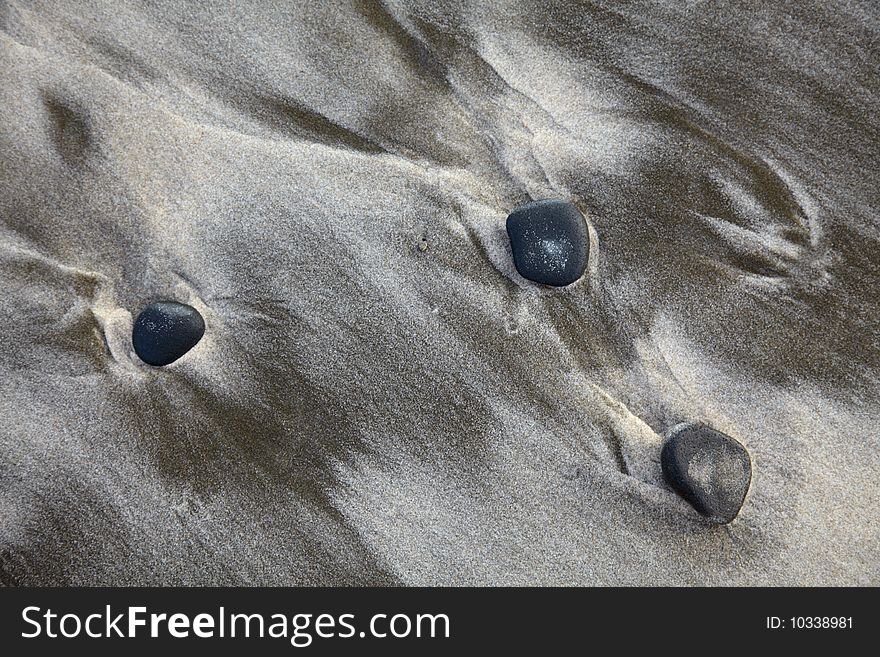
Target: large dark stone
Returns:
[[550, 242], [709, 469], [164, 331]]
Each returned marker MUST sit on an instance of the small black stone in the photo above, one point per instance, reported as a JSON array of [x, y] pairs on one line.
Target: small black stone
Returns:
[[164, 331], [709, 469], [550, 242]]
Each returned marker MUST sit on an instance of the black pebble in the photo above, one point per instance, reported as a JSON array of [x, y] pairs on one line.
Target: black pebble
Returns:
[[164, 331], [550, 242], [709, 469]]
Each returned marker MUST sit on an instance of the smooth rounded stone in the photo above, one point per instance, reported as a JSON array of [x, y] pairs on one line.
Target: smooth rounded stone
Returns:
[[550, 242], [164, 331], [709, 469]]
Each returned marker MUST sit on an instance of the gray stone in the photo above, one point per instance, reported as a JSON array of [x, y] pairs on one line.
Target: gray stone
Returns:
[[164, 331], [550, 242], [709, 469]]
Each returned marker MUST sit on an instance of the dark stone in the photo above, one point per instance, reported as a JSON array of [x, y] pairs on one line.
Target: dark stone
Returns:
[[709, 469], [550, 242], [164, 331]]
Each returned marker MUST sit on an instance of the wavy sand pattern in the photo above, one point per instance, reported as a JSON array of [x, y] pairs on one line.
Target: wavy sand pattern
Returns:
[[379, 396]]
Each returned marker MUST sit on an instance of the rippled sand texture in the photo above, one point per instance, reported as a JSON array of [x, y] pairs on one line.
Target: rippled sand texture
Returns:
[[363, 409]]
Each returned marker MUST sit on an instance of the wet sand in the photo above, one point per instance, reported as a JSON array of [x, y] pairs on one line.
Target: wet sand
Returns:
[[379, 397]]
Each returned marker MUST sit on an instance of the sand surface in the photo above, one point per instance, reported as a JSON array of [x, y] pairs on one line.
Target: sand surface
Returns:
[[379, 398]]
